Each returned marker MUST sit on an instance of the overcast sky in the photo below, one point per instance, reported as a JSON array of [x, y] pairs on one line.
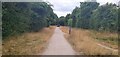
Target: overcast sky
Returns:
[[63, 7]]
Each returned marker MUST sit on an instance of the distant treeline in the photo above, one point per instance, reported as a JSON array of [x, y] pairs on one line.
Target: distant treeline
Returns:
[[20, 17], [91, 15]]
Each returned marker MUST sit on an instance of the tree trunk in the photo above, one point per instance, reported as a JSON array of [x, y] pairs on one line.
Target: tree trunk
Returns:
[[69, 30]]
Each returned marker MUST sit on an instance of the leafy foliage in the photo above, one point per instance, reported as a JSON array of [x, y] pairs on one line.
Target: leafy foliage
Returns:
[[75, 15], [61, 21], [70, 22], [92, 16], [86, 9], [105, 18], [119, 20], [25, 17]]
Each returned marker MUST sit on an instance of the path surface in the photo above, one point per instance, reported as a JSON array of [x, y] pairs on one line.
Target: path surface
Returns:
[[58, 45], [107, 47]]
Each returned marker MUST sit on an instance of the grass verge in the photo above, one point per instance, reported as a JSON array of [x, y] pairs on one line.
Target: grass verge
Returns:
[[27, 44], [83, 41], [106, 38]]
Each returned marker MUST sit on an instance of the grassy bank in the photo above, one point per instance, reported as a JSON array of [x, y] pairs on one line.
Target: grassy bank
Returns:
[[106, 38], [28, 43], [84, 41]]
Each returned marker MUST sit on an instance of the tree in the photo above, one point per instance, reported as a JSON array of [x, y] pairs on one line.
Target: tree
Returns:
[[15, 18], [118, 20], [92, 16], [25, 17], [61, 21], [68, 16], [75, 15], [81, 15], [86, 9], [105, 18]]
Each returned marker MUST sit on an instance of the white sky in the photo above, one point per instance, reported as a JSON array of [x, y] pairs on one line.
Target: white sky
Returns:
[[63, 7]]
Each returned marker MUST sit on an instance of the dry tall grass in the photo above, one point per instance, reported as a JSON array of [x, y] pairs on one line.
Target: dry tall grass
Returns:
[[28, 43], [0, 47], [83, 42], [106, 38]]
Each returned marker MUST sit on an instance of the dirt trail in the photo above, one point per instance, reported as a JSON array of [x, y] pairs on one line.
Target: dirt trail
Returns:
[[58, 45]]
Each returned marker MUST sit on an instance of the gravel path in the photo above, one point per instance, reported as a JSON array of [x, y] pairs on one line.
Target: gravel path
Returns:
[[58, 45]]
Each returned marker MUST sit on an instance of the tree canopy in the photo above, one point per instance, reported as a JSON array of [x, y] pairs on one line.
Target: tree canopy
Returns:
[[92, 16], [20, 17]]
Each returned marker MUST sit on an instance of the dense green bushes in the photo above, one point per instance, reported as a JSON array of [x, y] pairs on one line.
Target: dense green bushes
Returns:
[[104, 17], [92, 16], [20, 17], [119, 20]]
